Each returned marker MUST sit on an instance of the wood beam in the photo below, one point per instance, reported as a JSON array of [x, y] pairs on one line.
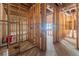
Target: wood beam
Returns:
[[50, 9]]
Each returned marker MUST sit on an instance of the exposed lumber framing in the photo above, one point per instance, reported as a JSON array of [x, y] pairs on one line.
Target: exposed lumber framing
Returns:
[[54, 22], [1, 10], [19, 14], [34, 19], [19, 29], [37, 18], [49, 9], [43, 20], [72, 25], [57, 24], [64, 29], [67, 8], [56, 33], [61, 28], [77, 26]]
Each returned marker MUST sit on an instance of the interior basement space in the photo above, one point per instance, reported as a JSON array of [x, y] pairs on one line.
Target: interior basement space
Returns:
[[39, 29]]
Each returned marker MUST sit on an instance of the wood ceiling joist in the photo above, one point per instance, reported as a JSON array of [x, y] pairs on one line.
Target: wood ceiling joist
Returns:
[[18, 5], [50, 9], [27, 4], [72, 6], [14, 7]]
